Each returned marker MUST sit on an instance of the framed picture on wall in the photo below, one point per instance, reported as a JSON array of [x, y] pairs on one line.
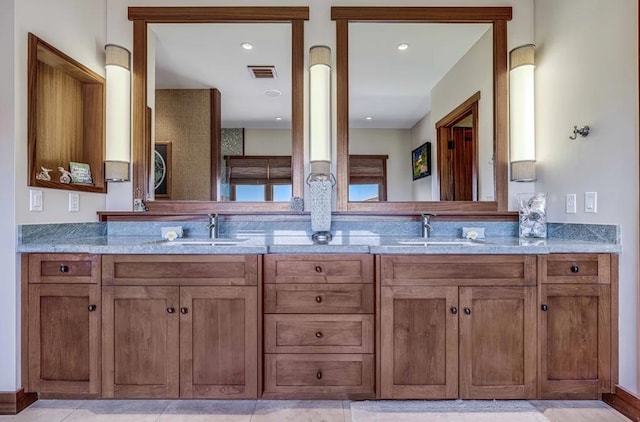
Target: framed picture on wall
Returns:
[[162, 170], [421, 161]]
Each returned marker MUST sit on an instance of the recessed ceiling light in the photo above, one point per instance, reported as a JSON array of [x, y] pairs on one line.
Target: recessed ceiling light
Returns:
[[368, 118], [403, 46], [272, 93], [247, 45], [278, 118]]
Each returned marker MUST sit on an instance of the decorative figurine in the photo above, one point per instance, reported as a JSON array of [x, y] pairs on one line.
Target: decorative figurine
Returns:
[[65, 177], [44, 174]]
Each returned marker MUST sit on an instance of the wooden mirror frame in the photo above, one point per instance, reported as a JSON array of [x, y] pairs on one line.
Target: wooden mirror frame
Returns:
[[141, 17], [498, 17]]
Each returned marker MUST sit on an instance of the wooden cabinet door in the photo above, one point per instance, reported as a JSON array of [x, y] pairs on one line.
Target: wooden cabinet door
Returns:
[[219, 342], [64, 338], [419, 342], [140, 356], [575, 340], [497, 342]]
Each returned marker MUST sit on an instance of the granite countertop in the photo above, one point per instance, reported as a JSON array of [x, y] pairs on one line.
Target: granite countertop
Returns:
[[303, 245]]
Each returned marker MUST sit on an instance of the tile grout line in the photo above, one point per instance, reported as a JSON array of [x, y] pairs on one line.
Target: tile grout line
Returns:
[[164, 410], [253, 411]]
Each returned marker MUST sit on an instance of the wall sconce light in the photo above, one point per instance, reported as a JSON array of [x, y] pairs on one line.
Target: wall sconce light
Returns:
[[320, 179], [521, 114], [582, 131], [118, 113]]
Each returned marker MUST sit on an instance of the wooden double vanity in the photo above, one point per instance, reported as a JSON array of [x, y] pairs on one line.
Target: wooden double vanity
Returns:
[[320, 326]]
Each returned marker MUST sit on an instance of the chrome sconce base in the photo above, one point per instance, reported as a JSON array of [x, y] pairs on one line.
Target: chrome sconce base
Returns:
[[582, 131], [321, 238]]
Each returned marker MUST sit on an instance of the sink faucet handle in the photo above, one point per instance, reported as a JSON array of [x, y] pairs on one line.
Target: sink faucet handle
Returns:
[[213, 226]]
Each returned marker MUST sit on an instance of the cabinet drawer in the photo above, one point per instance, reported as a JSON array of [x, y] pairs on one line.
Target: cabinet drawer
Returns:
[[575, 268], [321, 374], [318, 333], [318, 269], [171, 270], [64, 268], [318, 298], [459, 270]]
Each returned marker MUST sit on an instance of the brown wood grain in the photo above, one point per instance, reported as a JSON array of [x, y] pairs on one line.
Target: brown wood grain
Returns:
[[64, 338], [180, 269], [50, 268], [297, 107], [318, 298], [419, 342], [140, 353], [340, 374], [422, 14], [457, 270], [592, 268], [500, 113], [218, 339], [624, 402], [318, 268], [216, 142], [318, 333], [574, 335], [497, 343], [14, 403], [24, 322], [65, 116], [140, 132], [217, 14]]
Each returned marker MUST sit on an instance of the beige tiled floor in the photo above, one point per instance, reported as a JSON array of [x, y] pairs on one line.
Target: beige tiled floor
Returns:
[[315, 411]]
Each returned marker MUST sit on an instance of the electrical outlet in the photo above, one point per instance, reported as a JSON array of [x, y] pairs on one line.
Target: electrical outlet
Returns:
[[35, 200], [571, 203], [74, 202], [591, 202]]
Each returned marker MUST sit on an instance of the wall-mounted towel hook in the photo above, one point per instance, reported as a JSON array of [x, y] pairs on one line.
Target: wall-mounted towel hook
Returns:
[[582, 131]]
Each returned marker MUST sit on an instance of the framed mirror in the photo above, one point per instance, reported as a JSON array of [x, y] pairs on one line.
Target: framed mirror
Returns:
[[413, 76], [194, 102]]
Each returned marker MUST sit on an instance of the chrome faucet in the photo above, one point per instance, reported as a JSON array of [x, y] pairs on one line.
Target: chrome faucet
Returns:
[[426, 225], [213, 226]]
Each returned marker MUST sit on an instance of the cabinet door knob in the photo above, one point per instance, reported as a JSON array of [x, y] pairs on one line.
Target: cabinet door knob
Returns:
[[467, 311], [184, 311], [454, 310], [318, 269], [91, 308], [319, 375], [171, 309], [318, 299], [575, 268], [544, 307], [64, 268], [319, 334]]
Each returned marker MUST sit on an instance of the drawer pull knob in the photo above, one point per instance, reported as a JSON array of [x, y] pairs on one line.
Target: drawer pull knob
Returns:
[[64, 268], [184, 311], [454, 310], [319, 334], [319, 375], [91, 308], [467, 311], [544, 307], [318, 269], [318, 299], [575, 268], [171, 309]]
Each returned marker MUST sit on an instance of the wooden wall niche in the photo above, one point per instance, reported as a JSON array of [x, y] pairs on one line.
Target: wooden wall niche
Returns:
[[66, 117]]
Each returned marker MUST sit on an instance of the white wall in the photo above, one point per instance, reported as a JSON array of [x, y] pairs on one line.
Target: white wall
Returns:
[[587, 73], [267, 142], [9, 306], [396, 143], [421, 189], [473, 73], [79, 30]]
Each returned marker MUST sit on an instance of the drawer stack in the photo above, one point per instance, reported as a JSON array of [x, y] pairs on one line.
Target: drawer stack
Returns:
[[319, 326]]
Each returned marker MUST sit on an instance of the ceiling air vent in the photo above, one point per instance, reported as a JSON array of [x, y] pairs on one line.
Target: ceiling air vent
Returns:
[[263, 72]]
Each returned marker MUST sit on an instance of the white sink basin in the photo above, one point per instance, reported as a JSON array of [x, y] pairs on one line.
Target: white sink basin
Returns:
[[437, 243], [202, 242]]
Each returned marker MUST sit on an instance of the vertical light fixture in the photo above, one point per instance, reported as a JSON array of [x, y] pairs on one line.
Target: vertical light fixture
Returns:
[[118, 113], [320, 109], [320, 180], [521, 114]]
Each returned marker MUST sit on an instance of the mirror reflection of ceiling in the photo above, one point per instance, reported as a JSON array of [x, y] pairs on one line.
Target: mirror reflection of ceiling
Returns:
[[393, 86], [204, 56]]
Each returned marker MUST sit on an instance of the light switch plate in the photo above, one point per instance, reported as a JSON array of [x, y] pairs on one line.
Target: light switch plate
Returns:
[[35, 200], [591, 202], [570, 204], [74, 202]]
